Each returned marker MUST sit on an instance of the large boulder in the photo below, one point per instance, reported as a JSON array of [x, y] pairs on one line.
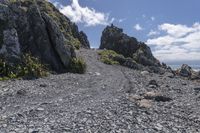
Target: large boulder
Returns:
[[185, 71], [188, 72], [38, 28], [113, 38]]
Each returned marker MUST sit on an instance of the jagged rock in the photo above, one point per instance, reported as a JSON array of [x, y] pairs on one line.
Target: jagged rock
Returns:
[[144, 56], [188, 72], [38, 28], [84, 41], [113, 38], [185, 71], [58, 41]]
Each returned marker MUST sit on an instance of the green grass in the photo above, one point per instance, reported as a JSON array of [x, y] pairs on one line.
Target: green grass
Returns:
[[78, 65], [106, 56], [29, 67]]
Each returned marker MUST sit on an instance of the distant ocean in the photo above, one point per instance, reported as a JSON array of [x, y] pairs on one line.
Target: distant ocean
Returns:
[[194, 67]]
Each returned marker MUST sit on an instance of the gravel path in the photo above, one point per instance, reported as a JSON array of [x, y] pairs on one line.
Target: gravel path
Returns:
[[106, 99]]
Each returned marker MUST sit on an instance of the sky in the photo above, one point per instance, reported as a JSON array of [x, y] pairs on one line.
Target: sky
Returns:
[[170, 27]]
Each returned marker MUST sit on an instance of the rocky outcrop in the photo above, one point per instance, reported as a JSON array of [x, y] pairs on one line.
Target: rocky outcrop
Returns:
[[188, 72], [185, 71], [38, 28], [84, 40], [82, 37], [113, 38], [11, 47]]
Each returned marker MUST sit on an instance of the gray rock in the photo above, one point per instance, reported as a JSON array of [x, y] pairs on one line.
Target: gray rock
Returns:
[[113, 38], [11, 47], [185, 71], [153, 82], [38, 28], [21, 92], [84, 40], [63, 49], [144, 73], [188, 72]]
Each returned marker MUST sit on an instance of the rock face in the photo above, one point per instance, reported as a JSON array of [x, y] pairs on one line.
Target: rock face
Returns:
[[37, 27], [185, 71], [11, 46], [188, 72], [113, 38]]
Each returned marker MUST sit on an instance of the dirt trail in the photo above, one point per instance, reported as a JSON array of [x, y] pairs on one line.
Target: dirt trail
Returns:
[[97, 102]]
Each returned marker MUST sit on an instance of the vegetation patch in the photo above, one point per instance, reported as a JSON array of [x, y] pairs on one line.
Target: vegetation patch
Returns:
[[78, 65], [107, 57], [29, 67]]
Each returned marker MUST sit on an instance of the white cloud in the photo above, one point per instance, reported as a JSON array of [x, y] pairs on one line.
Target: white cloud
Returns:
[[143, 15], [122, 20], [176, 30], [179, 43], [86, 15], [138, 27], [153, 33], [152, 18]]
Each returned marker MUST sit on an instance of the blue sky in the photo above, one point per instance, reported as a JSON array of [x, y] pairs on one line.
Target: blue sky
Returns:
[[170, 27]]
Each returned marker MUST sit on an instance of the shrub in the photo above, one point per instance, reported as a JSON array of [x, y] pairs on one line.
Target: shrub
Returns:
[[77, 65], [107, 57], [33, 67], [29, 67]]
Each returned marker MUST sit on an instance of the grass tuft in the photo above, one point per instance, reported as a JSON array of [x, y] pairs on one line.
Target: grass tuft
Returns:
[[78, 65], [29, 67], [106, 56]]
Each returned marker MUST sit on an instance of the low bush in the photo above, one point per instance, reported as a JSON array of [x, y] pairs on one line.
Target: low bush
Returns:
[[33, 67], [29, 67], [107, 57], [78, 65]]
